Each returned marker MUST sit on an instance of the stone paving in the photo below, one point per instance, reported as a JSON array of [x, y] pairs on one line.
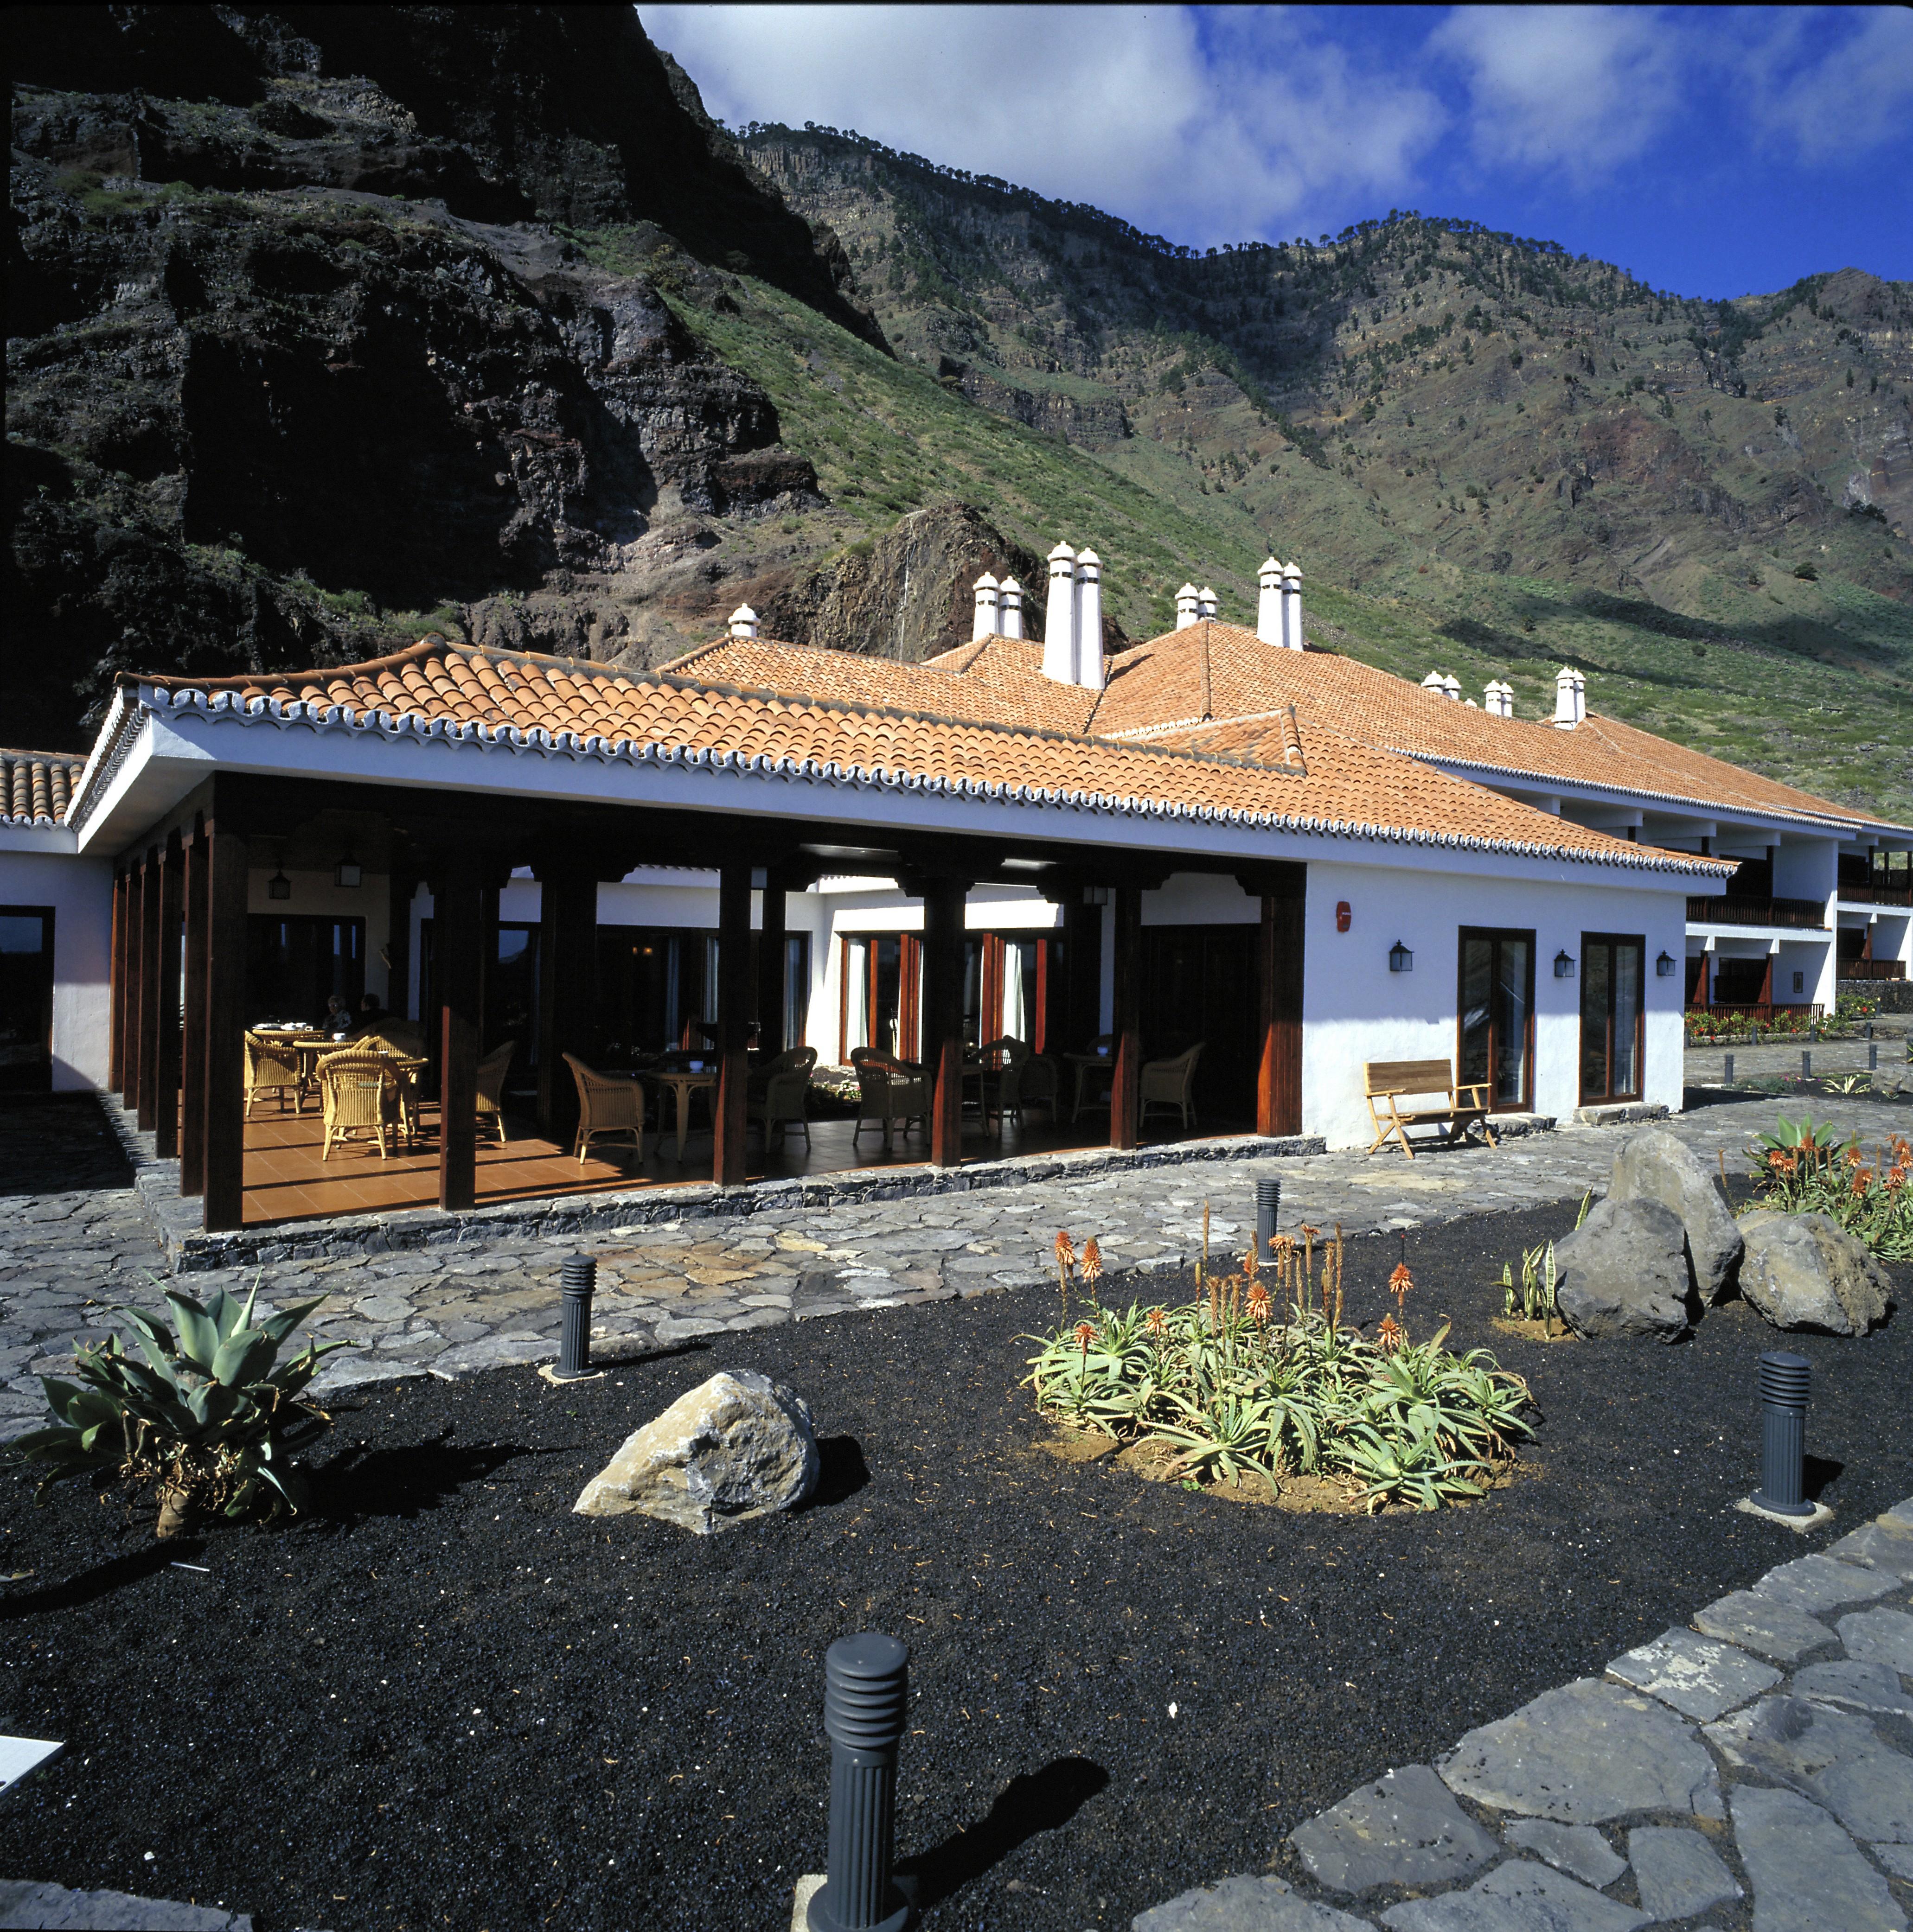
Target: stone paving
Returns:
[[1696, 1777], [1706, 1065], [68, 1255]]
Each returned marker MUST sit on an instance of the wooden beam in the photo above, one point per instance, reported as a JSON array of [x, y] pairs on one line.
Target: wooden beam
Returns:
[[457, 930], [731, 1119], [1126, 1085], [1279, 960], [116, 1004], [224, 1131], [135, 892], [942, 1014], [150, 894], [166, 1053], [400, 888], [194, 1032], [771, 1019], [567, 990]]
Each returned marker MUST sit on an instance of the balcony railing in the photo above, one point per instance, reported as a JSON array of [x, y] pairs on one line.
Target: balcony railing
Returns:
[[1796, 913], [1873, 969], [1892, 895]]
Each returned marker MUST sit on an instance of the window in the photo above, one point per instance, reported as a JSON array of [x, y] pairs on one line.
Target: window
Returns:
[[1611, 970], [26, 999], [879, 993], [1496, 1024], [298, 962], [797, 987]]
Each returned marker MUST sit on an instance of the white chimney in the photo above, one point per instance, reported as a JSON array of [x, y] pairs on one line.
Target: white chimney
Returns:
[[1089, 620], [1186, 601], [1205, 602], [1268, 602], [1451, 687], [1292, 607], [1059, 622], [1009, 608], [1570, 699], [985, 624], [1500, 700], [1432, 683], [743, 621]]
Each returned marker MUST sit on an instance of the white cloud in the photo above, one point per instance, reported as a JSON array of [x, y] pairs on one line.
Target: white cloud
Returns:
[[1267, 130], [1856, 95]]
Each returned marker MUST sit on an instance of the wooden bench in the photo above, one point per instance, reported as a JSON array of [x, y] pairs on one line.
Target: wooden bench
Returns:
[[1390, 1080]]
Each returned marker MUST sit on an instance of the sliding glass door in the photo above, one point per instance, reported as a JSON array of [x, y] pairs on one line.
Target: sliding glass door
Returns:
[[1497, 1016], [1611, 1001]]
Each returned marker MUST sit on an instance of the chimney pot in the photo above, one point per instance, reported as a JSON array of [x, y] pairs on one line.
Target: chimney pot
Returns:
[[1205, 602], [1268, 602], [987, 605], [743, 621], [1292, 633], [1009, 608], [1187, 600], [1570, 698], [1089, 620], [1059, 627]]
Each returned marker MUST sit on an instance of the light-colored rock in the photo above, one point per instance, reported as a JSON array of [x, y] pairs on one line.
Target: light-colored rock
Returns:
[[1818, 1584], [1763, 1624], [1864, 1687], [736, 1447], [1655, 1166], [1678, 1872], [1245, 1904], [1886, 1544], [1579, 1850], [1808, 1876], [1405, 1829], [1834, 1757], [1898, 1859], [1806, 1271], [1582, 1754], [1623, 1273], [1701, 1678], [1517, 1897], [1880, 1636]]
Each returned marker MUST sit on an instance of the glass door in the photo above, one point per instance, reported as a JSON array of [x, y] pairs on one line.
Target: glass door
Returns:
[[1497, 1016], [1610, 1003]]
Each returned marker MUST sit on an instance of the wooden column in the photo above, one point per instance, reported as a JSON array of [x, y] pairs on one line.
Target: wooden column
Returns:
[[166, 1005], [457, 930], [1279, 960], [400, 887], [136, 884], [194, 1034], [150, 893], [729, 1118], [567, 991], [1126, 1087], [941, 1020], [224, 1131], [771, 1018], [116, 1004]]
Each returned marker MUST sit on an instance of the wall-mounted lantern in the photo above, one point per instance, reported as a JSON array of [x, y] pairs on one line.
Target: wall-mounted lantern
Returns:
[[1563, 966], [349, 873], [1400, 960], [1095, 895], [279, 886], [1800, 983], [1664, 967], [1344, 918]]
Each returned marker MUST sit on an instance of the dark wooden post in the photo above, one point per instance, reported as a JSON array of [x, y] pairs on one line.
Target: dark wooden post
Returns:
[[150, 894], [116, 1046], [457, 927], [166, 1058], [772, 1020], [1126, 1087], [731, 1117], [193, 1037], [567, 988], [942, 1015], [489, 888], [224, 1131], [400, 887], [129, 1089], [1279, 961]]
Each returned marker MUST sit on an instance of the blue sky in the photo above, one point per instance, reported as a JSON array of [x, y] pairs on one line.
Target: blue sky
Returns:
[[1712, 152]]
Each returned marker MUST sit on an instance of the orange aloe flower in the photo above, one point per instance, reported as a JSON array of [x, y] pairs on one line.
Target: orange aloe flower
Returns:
[[1390, 1336], [1862, 1179], [1399, 1282], [1259, 1303], [1065, 1250], [1854, 1155], [1158, 1321], [1251, 1261], [1092, 1260], [1085, 1333]]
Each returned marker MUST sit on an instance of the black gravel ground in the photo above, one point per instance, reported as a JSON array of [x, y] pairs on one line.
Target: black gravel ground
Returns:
[[443, 1700]]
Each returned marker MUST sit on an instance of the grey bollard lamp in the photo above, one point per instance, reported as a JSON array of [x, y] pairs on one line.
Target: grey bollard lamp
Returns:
[[1268, 1206], [578, 1281], [866, 1683], [1783, 1390]]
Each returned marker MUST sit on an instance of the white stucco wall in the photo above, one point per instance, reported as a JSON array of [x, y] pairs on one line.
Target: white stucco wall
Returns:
[[39, 868]]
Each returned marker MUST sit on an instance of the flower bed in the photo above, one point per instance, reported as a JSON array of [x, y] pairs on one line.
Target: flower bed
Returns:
[[1808, 1169]]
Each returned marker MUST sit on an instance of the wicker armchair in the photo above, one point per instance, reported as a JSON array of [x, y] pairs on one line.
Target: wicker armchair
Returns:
[[889, 1090], [783, 1103], [1027, 1080], [606, 1105], [491, 1072], [1172, 1083], [404, 1039], [272, 1067], [357, 1094]]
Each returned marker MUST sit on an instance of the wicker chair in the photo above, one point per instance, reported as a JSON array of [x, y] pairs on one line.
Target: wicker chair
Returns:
[[1027, 1080], [404, 1039], [491, 1072], [606, 1105], [1172, 1083], [272, 1066], [889, 1090], [357, 1094], [783, 1103]]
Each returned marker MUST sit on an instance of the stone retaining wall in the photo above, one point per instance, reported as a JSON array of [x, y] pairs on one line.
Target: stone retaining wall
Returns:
[[1893, 996]]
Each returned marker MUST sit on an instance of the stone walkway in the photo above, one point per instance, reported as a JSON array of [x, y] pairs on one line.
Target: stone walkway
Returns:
[[69, 1256], [1764, 1755]]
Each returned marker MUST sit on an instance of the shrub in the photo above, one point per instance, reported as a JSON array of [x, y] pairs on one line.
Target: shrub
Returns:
[[205, 1417], [1807, 1169]]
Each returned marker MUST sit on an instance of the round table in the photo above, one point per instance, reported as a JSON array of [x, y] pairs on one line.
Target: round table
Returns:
[[683, 1084]]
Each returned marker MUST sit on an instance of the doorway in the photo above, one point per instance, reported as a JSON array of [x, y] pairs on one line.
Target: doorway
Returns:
[[26, 999], [1497, 1025], [1199, 984], [1611, 987]]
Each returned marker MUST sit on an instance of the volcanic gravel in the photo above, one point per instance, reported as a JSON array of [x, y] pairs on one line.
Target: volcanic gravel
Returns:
[[441, 1699]]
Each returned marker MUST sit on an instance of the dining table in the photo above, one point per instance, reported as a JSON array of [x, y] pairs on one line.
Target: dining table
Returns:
[[683, 1082], [1086, 1064]]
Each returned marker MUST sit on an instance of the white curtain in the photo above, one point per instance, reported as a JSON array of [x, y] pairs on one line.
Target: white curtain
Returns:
[[1016, 1012], [857, 970]]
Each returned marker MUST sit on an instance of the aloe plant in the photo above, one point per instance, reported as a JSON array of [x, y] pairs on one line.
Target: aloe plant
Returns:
[[205, 1416]]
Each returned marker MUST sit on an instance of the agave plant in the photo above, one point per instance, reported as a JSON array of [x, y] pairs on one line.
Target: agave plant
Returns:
[[205, 1416]]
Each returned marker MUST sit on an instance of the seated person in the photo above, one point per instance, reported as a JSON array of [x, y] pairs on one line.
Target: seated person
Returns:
[[338, 1020], [370, 1013]]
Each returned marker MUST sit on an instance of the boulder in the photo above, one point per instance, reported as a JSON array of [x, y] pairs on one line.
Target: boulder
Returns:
[[1806, 1271], [1655, 1166], [1624, 1272], [736, 1447]]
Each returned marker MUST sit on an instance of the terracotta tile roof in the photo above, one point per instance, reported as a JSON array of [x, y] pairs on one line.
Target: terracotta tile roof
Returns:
[[37, 786], [1218, 671], [555, 706]]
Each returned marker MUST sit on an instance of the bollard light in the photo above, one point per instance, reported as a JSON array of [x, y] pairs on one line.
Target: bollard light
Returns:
[[866, 1680], [1268, 1205], [577, 1280], [1873, 1056], [1729, 1079], [1806, 1064], [1783, 1382]]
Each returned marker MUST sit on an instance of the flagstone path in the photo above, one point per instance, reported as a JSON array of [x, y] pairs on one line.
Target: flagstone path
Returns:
[[1695, 1778]]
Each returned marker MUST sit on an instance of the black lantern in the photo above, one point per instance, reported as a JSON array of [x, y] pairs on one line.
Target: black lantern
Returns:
[[349, 872], [279, 886], [1563, 966], [1664, 967], [1400, 960]]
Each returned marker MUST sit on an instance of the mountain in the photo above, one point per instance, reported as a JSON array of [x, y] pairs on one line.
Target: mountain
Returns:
[[330, 324]]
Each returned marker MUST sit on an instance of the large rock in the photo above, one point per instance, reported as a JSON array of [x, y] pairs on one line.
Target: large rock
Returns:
[[1405, 1829], [1836, 1758], [1655, 1166], [1245, 1903], [736, 1447], [1806, 1871], [1806, 1271], [1517, 1897], [1623, 1272]]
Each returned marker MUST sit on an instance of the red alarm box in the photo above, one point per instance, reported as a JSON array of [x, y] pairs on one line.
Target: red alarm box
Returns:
[[1343, 915]]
